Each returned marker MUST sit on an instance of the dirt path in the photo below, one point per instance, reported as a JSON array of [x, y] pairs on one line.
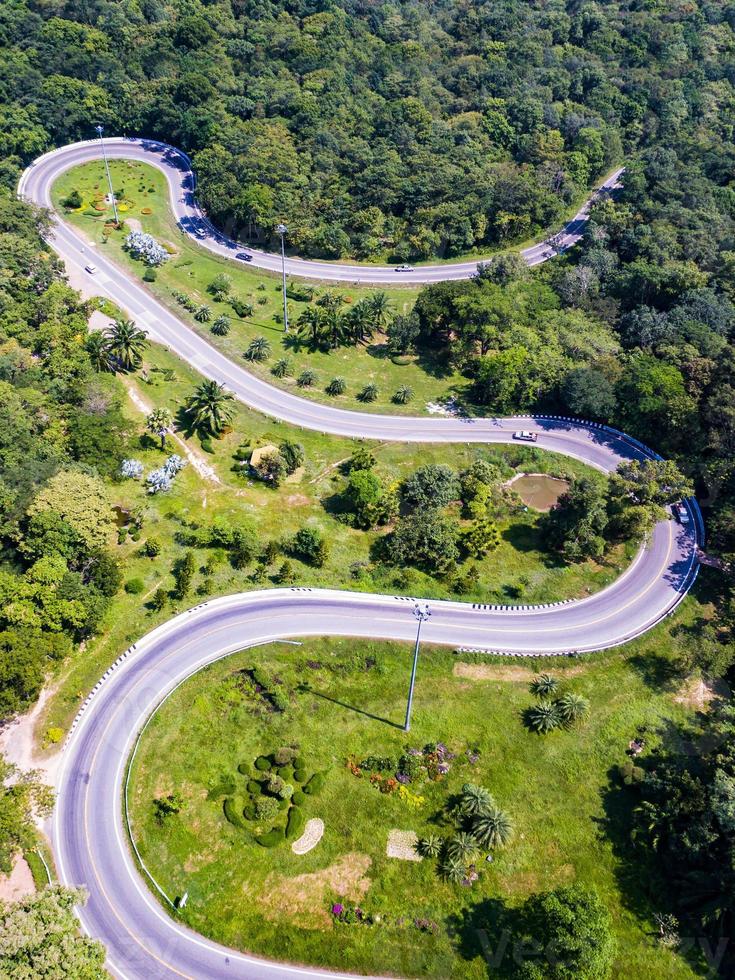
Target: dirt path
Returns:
[[17, 742], [18, 883], [198, 462]]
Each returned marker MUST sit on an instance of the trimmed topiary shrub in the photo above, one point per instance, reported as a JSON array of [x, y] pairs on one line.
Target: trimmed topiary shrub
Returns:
[[249, 812], [134, 586], [262, 764], [272, 839], [284, 755], [284, 804], [233, 810], [299, 762], [254, 788], [299, 775], [286, 773], [315, 784], [299, 798], [295, 823], [266, 808], [243, 768], [260, 678]]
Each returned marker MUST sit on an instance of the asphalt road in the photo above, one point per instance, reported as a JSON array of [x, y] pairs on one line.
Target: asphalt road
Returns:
[[176, 167], [88, 834]]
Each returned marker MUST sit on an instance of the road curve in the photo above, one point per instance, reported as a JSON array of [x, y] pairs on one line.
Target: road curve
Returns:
[[89, 839], [176, 167]]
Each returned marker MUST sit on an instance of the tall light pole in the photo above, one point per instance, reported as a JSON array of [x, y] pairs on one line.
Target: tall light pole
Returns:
[[421, 614], [100, 130], [282, 229]]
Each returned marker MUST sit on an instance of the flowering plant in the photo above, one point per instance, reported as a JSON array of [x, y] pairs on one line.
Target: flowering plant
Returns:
[[132, 469], [145, 247]]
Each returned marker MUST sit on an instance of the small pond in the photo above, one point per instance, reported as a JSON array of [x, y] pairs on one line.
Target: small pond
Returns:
[[538, 490]]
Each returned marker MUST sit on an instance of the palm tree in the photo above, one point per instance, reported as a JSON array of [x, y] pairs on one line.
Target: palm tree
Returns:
[[310, 325], [282, 368], [404, 395], [454, 870], [221, 326], [337, 386], [331, 301], [203, 314], [429, 846], [462, 847], [474, 800], [159, 422], [369, 393], [494, 828], [360, 322], [335, 327], [210, 407], [572, 707], [307, 378], [99, 352], [125, 344], [380, 309], [544, 685], [259, 349], [544, 717]]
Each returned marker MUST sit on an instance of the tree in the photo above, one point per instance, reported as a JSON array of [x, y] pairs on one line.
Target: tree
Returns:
[[40, 937], [210, 407], [82, 502], [492, 828], [481, 537], [574, 929], [184, 574], [427, 540], [22, 798], [576, 526], [311, 546], [258, 350], [99, 351], [364, 496], [160, 422], [293, 455], [589, 394], [544, 685], [430, 486], [126, 344], [403, 332], [271, 467], [639, 492]]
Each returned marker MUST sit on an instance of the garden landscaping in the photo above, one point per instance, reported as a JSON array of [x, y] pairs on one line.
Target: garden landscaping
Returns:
[[429, 836]]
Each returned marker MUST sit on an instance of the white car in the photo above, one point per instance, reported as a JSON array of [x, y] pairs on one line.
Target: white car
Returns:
[[404, 268], [91, 269], [681, 513], [525, 436]]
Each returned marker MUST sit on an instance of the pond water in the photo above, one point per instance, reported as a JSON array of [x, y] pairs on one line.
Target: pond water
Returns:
[[539, 491]]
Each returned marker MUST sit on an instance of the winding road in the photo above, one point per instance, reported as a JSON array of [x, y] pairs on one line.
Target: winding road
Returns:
[[89, 838]]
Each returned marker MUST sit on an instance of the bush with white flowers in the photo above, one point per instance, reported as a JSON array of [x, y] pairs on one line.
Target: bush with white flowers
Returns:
[[160, 480], [132, 469], [145, 247]]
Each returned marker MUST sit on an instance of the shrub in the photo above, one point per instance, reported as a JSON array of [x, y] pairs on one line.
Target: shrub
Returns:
[[286, 773], [544, 685], [282, 368], [299, 798], [299, 775], [306, 379], [150, 274], [379, 763], [74, 200], [134, 586], [299, 762], [233, 810], [253, 787], [262, 764], [261, 678], [315, 784], [249, 812], [275, 784], [259, 349], [203, 314], [284, 803], [145, 247], [544, 717], [206, 444], [221, 326], [630, 774], [272, 839], [284, 755], [54, 735], [266, 807], [243, 768], [410, 765], [404, 395], [152, 548], [295, 823], [311, 546], [241, 308], [279, 700], [369, 393], [337, 386]]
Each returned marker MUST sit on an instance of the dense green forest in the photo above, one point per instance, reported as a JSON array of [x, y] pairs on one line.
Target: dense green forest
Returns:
[[407, 129]]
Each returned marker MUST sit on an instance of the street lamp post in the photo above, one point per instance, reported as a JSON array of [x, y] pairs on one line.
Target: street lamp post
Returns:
[[100, 130], [282, 229], [421, 614]]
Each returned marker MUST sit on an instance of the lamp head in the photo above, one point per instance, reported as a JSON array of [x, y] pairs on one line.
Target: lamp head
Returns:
[[281, 229]]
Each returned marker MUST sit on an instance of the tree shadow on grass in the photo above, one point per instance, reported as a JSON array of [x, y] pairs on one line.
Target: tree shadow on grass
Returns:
[[490, 931], [656, 670], [521, 537], [305, 688]]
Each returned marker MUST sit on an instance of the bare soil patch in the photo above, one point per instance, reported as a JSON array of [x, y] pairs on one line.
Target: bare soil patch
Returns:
[[698, 692], [18, 883], [303, 899], [501, 672]]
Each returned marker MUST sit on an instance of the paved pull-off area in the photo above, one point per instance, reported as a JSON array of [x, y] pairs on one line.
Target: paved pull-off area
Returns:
[[143, 941]]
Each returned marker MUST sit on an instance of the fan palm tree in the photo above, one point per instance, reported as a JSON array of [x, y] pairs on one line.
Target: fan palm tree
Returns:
[[221, 326], [259, 349], [282, 368], [307, 378], [462, 847], [572, 707], [310, 325], [453, 869], [369, 393], [126, 343], [544, 717], [493, 828], [404, 395], [335, 327], [474, 800], [99, 352], [360, 321], [203, 314], [210, 407], [544, 685], [337, 386], [429, 846], [159, 422]]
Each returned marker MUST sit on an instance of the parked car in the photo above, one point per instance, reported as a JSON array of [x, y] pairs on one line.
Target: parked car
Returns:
[[525, 436]]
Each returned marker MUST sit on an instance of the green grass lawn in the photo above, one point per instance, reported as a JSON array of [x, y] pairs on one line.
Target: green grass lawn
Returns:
[[191, 269], [520, 563], [558, 789]]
